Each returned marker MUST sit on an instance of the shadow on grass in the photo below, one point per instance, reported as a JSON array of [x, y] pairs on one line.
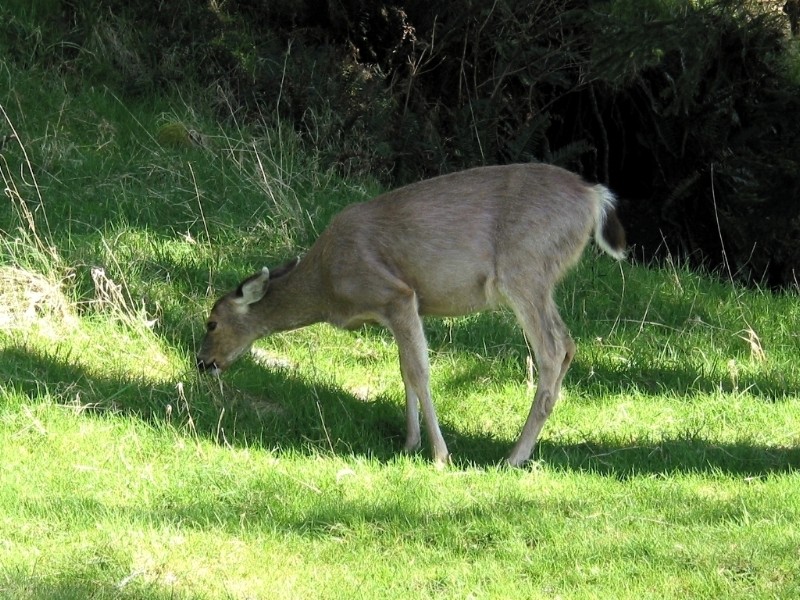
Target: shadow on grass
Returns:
[[496, 336], [255, 411], [670, 455], [81, 585], [637, 381], [275, 409]]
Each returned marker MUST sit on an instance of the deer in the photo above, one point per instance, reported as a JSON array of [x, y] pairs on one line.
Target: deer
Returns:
[[486, 238]]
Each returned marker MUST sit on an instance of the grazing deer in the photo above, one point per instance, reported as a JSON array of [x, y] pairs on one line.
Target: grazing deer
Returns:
[[453, 245]]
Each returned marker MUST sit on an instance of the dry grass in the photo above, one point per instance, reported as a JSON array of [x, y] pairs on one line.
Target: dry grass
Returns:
[[26, 298]]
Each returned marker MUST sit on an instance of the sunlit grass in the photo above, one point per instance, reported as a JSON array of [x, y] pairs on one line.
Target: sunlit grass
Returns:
[[668, 469]]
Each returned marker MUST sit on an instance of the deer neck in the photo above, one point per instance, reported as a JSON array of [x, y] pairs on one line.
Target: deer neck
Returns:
[[293, 301]]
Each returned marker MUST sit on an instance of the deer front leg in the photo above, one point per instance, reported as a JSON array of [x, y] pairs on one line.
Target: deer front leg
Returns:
[[406, 326]]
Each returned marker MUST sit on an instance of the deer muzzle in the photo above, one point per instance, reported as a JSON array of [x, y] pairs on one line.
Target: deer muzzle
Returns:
[[208, 367]]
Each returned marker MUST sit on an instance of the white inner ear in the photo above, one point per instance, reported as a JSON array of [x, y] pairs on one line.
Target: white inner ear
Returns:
[[254, 288]]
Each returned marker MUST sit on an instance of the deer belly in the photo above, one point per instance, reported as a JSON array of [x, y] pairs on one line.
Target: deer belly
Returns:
[[451, 296]]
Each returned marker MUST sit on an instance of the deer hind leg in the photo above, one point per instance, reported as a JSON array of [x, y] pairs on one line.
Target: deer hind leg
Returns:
[[413, 436], [406, 325], [553, 350]]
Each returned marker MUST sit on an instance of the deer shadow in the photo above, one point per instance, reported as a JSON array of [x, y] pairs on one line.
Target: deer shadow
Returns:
[[279, 410], [502, 338]]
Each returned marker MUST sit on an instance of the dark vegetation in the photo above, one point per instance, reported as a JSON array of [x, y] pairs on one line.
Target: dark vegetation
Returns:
[[687, 109]]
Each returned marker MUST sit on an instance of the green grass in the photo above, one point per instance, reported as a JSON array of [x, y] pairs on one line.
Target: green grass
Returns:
[[668, 470]]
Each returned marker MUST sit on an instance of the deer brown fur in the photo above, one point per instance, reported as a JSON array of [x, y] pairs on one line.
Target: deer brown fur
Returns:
[[480, 239]]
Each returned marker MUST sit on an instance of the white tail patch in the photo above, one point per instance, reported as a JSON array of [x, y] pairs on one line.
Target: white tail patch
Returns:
[[606, 205]]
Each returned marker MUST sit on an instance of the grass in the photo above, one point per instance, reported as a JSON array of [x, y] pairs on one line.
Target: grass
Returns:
[[668, 470]]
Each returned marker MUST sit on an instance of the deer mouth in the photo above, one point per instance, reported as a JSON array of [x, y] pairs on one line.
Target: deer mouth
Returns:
[[210, 367], [216, 367]]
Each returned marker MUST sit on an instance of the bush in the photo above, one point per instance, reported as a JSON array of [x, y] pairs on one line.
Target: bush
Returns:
[[683, 107], [694, 113]]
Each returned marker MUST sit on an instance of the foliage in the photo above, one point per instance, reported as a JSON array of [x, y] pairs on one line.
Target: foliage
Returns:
[[696, 107], [681, 106]]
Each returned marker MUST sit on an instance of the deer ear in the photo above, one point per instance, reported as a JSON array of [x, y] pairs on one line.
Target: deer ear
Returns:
[[285, 268], [252, 289]]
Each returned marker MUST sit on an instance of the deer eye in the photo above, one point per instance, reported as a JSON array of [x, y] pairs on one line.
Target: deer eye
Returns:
[[211, 326]]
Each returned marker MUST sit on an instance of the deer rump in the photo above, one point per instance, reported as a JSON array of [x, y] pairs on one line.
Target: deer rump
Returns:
[[457, 244]]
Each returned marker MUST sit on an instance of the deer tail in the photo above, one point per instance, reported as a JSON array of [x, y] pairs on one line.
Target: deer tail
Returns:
[[608, 230]]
